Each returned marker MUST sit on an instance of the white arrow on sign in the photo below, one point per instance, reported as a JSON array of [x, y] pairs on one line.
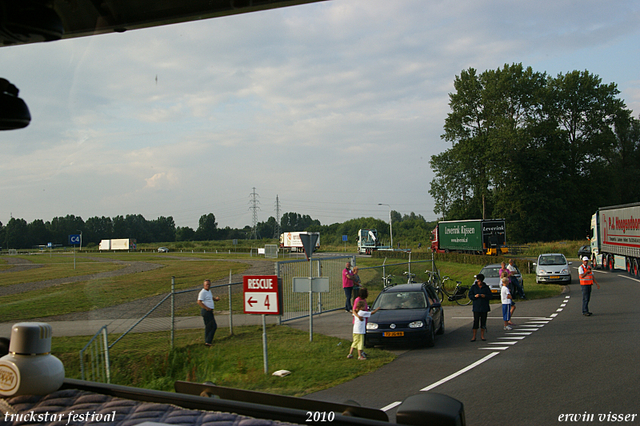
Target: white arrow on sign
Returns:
[[261, 302]]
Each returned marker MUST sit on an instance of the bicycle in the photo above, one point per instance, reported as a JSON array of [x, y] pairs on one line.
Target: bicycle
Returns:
[[444, 286], [386, 281], [410, 277]]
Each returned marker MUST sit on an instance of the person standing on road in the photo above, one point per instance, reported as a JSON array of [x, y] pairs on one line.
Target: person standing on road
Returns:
[[586, 282], [359, 329], [512, 276], [505, 296], [347, 285], [205, 301], [480, 294]]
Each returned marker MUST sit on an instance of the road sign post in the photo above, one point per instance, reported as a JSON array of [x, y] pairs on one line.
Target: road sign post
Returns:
[[262, 296], [309, 244]]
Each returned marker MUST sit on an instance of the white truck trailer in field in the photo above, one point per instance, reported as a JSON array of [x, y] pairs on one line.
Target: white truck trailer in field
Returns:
[[118, 244], [292, 241], [615, 238]]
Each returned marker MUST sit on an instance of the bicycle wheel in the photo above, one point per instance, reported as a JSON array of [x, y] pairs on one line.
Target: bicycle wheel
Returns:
[[448, 285], [463, 298]]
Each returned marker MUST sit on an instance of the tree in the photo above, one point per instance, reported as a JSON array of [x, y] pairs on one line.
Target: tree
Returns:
[[207, 228], [16, 233], [61, 227], [185, 233], [527, 147], [292, 221], [163, 229], [37, 233], [97, 229], [267, 228]]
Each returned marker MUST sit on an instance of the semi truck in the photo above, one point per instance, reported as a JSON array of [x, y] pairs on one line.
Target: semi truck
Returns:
[[478, 236], [292, 241], [118, 244], [615, 238], [369, 242]]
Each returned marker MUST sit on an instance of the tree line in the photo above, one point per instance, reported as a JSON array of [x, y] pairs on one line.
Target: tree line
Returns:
[[18, 234], [542, 152]]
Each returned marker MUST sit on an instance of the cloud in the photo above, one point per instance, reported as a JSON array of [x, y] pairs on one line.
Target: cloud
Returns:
[[335, 106]]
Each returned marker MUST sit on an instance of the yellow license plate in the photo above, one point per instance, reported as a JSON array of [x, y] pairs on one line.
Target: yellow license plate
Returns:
[[393, 334], [555, 277]]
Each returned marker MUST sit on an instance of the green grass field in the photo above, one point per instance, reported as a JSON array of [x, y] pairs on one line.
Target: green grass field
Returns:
[[235, 361]]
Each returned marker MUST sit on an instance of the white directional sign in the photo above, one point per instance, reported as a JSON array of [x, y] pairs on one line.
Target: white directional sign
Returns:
[[316, 284], [261, 294]]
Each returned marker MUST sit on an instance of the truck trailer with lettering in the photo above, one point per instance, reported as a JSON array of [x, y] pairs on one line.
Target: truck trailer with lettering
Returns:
[[477, 236], [118, 244], [615, 238], [292, 241]]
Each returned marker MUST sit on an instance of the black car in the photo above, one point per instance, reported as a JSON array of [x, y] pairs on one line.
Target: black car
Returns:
[[408, 314], [584, 251]]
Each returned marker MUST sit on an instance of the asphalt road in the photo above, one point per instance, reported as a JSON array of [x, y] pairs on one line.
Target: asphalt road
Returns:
[[555, 363]]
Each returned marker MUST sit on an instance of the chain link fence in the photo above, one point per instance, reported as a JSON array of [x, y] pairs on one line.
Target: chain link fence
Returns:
[[178, 310]]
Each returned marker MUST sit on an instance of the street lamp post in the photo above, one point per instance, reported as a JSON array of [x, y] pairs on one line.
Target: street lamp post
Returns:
[[390, 225]]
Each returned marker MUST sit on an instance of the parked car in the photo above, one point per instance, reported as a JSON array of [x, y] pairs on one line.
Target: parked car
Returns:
[[163, 250], [408, 314], [584, 251], [552, 268], [492, 277]]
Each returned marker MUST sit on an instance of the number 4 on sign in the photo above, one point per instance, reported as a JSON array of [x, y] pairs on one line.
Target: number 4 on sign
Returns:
[[260, 303]]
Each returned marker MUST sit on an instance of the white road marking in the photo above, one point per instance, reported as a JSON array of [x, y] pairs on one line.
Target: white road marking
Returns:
[[391, 406], [459, 372], [533, 325], [630, 278]]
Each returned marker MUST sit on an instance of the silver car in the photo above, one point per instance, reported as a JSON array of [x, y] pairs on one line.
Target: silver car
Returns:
[[492, 277], [553, 268]]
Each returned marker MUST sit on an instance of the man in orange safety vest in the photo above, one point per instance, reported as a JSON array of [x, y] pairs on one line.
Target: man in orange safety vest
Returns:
[[586, 282]]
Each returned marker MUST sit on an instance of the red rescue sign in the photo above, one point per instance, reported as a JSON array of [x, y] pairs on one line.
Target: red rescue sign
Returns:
[[261, 295]]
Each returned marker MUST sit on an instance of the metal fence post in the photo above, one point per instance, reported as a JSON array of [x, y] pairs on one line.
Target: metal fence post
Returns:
[[107, 366], [230, 307], [173, 308]]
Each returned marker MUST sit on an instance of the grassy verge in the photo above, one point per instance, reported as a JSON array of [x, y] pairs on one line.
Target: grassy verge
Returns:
[[233, 361]]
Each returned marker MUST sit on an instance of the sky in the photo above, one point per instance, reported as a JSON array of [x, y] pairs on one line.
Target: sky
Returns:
[[331, 108]]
